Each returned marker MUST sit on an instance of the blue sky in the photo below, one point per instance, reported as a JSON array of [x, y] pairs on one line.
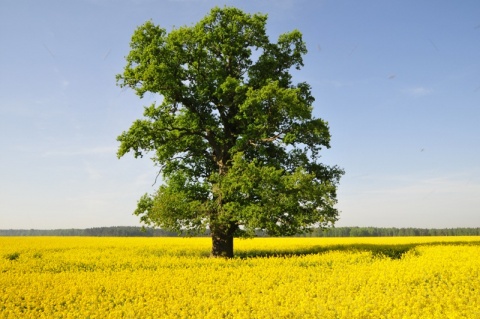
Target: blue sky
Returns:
[[398, 82]]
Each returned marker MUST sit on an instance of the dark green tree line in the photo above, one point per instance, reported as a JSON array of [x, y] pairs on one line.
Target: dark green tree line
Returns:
[[132, 231]]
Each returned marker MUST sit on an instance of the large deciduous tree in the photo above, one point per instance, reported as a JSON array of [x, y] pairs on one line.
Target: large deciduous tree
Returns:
[[235, 139]]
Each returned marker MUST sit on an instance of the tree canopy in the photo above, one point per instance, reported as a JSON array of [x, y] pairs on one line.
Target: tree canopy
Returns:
[[235, 140]]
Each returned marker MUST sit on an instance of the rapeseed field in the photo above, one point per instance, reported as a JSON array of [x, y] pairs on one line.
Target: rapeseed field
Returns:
[[83, 277]]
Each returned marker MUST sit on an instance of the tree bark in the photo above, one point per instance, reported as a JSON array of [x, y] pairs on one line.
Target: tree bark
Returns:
[[222, 242], [222, 246]]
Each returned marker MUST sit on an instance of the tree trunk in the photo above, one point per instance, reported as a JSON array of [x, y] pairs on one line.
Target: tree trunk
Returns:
[[222, 243]]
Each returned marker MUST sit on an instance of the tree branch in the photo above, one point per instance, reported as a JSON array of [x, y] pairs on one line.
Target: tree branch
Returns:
[[268, 139], [159, 172]]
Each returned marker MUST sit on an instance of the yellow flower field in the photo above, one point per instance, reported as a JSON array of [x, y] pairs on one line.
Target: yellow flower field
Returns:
[[83, 277]]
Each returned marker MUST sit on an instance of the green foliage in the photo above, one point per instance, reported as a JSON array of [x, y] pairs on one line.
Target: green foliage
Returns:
[[393, 232], [132, 231], [235, 139], [116, 231], [13, 256]]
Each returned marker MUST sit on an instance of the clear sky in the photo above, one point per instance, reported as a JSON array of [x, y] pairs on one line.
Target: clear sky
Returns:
[[397, 80]]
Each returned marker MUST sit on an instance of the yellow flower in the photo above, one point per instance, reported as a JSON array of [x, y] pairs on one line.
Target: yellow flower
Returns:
[[411, 277]]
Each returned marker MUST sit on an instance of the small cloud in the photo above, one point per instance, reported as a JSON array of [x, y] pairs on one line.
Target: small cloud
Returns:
[[92, 173], [65, 84], [419, 91], [85, 151]]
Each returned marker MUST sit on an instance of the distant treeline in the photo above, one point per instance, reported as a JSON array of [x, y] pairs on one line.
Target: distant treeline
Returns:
[[131, 231], [392, 232], [116, 231]]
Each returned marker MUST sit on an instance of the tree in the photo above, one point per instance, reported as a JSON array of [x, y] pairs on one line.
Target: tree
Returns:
[[235, 140]]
